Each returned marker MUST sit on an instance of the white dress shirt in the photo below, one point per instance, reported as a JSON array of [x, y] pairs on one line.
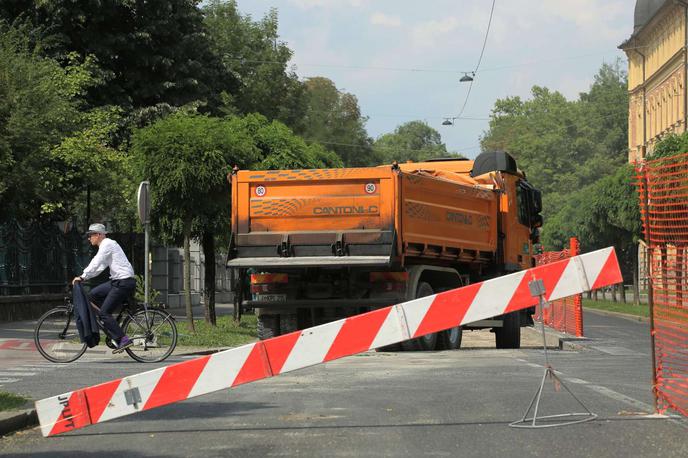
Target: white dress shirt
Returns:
[[110, 255]]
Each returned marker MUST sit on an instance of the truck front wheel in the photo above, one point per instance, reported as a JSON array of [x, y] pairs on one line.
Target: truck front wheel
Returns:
[[450, 339], [509, 335]]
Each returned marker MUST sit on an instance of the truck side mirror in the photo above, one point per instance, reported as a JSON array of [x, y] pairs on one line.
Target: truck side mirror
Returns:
[[536, 221], [537, 200]]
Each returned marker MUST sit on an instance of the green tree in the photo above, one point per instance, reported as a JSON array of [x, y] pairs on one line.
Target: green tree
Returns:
[[603, 214], [281, 149], [251, 51], [413, 141], [333, 119], [89, 171], [564, 145], [50, 146], [670, 145], [606, 109], [575, 152], [151, 51], [187, 156]]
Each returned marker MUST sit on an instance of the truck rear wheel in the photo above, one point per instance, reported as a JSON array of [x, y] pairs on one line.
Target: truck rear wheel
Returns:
[[427, 342], [288, 322], [390, 348], [509, 335], [450, 339], [268, 326]]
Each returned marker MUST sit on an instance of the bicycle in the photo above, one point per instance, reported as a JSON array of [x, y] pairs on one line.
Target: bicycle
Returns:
[[152, 330]]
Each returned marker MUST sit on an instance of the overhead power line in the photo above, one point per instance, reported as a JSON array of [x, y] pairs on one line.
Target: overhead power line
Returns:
[[431, 70], [480, 59]]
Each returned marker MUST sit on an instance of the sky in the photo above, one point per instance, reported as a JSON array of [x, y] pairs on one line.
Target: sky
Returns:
[[403, 59]]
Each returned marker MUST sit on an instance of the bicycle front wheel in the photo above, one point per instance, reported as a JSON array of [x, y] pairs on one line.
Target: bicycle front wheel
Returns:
[[154, 335], [57, 338]]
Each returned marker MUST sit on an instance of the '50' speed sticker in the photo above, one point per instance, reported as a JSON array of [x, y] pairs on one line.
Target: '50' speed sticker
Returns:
[[370, 188], [260, 191]]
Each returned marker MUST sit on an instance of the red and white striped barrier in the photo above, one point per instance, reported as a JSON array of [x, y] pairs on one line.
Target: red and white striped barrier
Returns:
[[319, 344]]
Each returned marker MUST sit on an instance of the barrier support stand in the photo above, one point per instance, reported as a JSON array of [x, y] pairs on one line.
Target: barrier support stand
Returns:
[[537, 289]]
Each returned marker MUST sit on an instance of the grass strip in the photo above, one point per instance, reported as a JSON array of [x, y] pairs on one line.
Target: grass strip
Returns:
[[10, 401], [227, 333], [619, 307]]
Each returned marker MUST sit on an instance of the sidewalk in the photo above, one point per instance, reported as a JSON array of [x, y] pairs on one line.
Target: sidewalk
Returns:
[[221, 309]]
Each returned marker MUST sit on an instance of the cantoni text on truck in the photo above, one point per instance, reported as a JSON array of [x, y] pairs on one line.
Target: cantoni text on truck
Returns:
[[313, 246]]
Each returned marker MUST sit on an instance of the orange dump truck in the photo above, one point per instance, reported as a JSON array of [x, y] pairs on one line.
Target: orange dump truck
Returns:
[[313, 246]]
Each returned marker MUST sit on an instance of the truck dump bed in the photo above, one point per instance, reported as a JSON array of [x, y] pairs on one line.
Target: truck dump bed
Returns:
[[360, 216]]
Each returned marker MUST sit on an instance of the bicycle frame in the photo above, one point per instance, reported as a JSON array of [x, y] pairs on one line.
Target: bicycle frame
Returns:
[[70, 313], [129, 314]]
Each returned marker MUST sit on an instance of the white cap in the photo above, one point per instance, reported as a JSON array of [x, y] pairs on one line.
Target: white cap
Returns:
[[96, 228]]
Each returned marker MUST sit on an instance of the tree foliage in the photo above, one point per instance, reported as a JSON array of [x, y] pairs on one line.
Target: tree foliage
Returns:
[[670, 145], [413, 141], [602, 214], [333, 118], [251, 52], [51, 145], [150, 51], [186, 157], [564, 146]]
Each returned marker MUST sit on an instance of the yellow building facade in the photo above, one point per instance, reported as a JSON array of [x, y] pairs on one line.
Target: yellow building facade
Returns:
[[657, 58]]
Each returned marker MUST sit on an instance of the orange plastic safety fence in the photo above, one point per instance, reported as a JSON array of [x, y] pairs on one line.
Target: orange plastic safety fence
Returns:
[[564, 315], [663, 191]]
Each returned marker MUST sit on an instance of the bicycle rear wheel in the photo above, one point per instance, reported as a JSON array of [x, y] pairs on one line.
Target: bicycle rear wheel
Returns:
[[154, 340], [57, 338]]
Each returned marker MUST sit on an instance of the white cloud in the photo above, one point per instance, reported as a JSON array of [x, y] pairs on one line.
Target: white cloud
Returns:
[[315, 52], [385, 20], [594, 20], [307, 4], [427, 34], [367, 48]]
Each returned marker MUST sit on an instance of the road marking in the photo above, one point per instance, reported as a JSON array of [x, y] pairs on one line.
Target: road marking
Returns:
[[9, 380], [616, 351], [577, 381], [17, 374], [621, 398]]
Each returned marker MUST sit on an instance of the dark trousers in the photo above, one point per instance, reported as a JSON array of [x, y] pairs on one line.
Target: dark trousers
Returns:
[[109, 296]]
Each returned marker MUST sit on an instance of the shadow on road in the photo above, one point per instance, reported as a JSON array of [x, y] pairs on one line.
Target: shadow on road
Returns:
[[200, 410], [82, 454], [599, 420]]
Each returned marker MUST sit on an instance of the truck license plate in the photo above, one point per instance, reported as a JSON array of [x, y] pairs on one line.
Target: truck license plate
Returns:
[[271, 297]]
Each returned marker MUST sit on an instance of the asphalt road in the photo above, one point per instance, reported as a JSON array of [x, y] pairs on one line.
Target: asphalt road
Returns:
[[389, 404]]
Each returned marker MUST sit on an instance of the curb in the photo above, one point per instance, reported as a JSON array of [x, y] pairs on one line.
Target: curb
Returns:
[[201, 352], [12, 421], [573, 343], [627, 316]]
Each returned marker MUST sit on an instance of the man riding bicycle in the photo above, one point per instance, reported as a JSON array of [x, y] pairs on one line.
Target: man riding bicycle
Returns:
[[111, 294]]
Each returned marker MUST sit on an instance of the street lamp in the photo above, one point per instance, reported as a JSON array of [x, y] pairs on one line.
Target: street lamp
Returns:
[[466, 78]]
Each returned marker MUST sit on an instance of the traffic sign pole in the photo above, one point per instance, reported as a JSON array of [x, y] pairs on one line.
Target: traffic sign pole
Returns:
[[143, 201]]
